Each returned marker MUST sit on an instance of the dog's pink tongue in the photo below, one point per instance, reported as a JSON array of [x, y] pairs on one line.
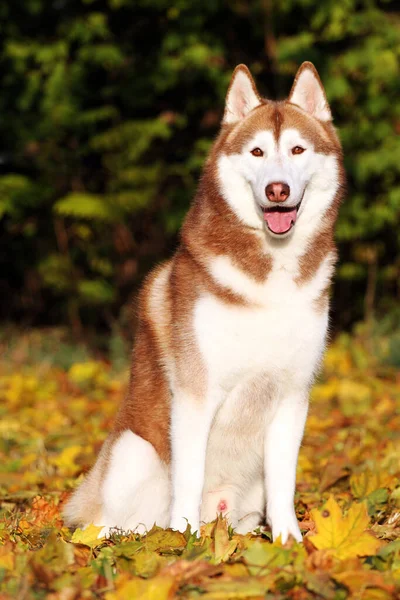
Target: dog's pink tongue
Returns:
[[280, 222]]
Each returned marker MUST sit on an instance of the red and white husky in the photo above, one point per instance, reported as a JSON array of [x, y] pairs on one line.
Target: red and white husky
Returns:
[[231, 330]]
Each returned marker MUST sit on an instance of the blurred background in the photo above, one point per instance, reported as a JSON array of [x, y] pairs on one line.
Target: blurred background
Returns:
[[107, 111]]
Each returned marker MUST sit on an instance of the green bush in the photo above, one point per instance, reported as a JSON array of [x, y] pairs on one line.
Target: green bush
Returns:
[[108, 108]]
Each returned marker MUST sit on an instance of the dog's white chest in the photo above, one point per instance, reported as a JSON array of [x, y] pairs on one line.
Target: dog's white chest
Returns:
[[279, 333]]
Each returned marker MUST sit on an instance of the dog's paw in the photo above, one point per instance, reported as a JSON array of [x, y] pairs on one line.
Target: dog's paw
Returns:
[[105, 532], [181, 523], [285, 527]]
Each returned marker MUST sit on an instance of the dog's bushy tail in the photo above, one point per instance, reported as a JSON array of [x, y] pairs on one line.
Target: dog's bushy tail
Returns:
[[85, 504]]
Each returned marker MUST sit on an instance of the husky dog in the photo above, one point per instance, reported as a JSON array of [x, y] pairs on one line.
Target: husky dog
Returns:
[[231, 330]]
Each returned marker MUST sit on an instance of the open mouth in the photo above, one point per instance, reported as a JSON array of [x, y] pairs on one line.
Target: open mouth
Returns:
[[280, 219]]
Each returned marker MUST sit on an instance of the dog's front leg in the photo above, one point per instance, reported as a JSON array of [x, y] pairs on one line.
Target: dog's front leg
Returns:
[[282, 442], [190, 425]]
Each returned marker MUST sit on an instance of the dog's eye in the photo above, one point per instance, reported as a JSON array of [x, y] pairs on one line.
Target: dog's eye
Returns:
[[298, 150], [257, 152]]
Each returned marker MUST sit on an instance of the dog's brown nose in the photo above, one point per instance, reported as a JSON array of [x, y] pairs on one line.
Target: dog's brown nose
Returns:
[[277, 191]]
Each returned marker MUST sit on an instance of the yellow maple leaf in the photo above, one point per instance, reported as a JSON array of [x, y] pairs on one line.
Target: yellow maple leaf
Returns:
[[345, 535], [88, 536]]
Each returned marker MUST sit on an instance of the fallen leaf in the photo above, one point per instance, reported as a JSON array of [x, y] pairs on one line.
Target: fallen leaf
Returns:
[[65, 462], [376, 594], [261, 556], [53, 424], [333, 472], [362, 484], [157, 588], [164, 540], [360, 579], [184, 570], [88, 536], [217, 589], [7, 558], [146, 563], [224, 547], [44, 513], [347, 535]]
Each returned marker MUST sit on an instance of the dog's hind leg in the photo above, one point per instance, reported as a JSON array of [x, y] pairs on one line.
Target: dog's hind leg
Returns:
[[252, 508], [243, 509], [135, 490], [222, 500]]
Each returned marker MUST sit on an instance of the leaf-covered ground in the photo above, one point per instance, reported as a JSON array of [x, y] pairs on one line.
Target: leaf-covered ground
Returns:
[[53, 421]]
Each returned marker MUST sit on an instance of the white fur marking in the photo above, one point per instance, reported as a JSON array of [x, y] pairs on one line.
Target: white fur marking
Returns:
[[190, 426], [136, 489], [309, 95], [283, 437], [241, 98], [313, 179]]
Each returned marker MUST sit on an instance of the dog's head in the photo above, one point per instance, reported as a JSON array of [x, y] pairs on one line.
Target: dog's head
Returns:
[[278, 163]]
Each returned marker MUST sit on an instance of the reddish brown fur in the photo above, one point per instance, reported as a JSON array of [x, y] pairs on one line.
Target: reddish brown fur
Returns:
[[284, 115], [321, 304], [146, 408]]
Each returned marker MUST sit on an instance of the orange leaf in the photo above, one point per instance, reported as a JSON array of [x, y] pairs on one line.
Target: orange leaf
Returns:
[[355, 580]]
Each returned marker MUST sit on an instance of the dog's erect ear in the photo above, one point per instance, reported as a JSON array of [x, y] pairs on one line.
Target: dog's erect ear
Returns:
[[242, 95], [308, 93]]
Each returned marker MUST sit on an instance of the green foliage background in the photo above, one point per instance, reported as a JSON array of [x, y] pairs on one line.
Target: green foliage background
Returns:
[[108, 109]]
